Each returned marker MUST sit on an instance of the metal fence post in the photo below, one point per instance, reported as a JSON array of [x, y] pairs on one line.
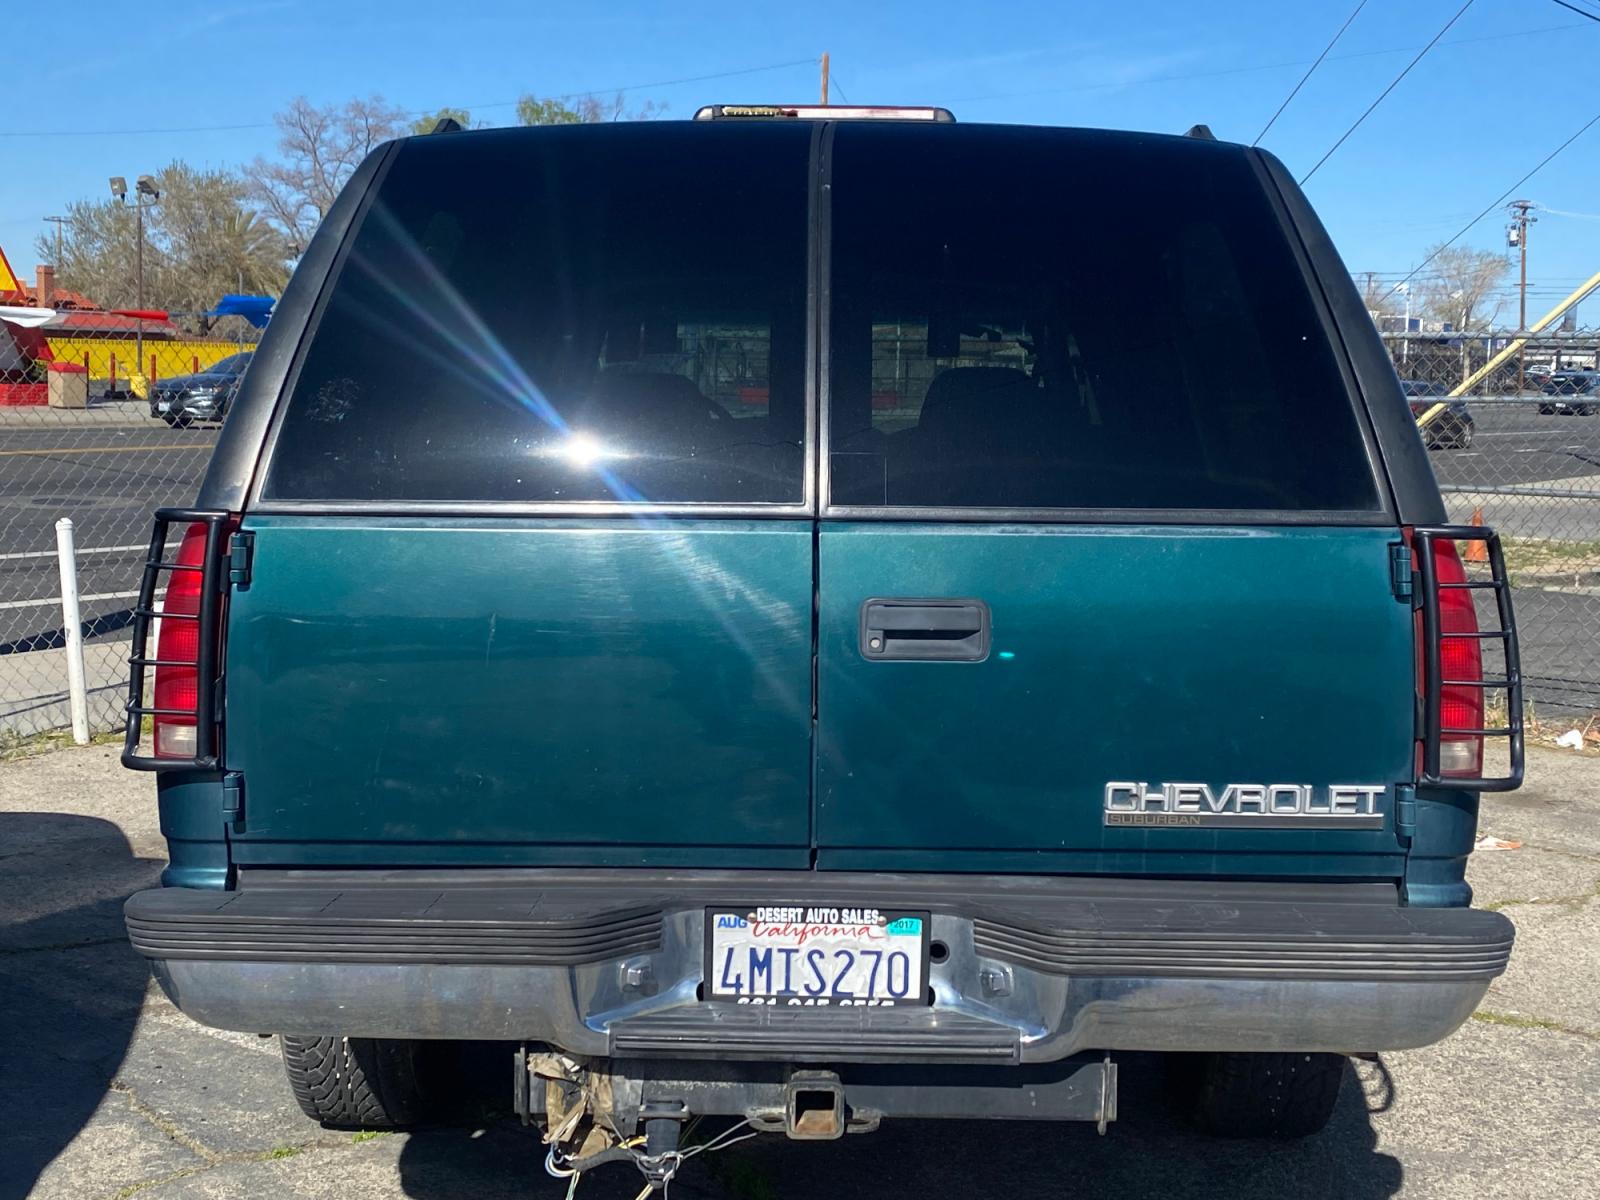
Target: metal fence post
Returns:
[[77, 688]]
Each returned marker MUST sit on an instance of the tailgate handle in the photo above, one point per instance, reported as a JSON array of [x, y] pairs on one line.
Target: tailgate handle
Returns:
[[904, 630]]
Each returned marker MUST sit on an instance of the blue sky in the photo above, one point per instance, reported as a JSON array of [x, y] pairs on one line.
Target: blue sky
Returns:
[[1508, 83]]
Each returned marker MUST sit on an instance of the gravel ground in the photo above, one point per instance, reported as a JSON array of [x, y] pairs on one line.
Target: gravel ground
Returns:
[[110, 1092]]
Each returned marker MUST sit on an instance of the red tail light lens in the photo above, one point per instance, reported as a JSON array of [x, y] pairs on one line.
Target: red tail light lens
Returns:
[[1460, 667], [177, 687]]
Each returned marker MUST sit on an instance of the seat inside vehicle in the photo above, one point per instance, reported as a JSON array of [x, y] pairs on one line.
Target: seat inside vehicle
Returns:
[[649, 407]]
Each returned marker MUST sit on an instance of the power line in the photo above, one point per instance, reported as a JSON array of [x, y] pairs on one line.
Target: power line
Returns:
[[1582, 12], [1381, 95], [1309, 72], [24, 133], [632, 87], [1278, 66], [1496, 202]]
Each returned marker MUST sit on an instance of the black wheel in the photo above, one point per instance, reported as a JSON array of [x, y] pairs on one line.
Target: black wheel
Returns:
[[1547, 410], [1274, 1095], [358, 1083]]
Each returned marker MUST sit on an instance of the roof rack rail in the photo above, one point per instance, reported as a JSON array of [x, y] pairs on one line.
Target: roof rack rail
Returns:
[[446, 125], [1203, 132]]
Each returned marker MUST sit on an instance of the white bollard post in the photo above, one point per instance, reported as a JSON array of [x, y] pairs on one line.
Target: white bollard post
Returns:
[[77, 688]]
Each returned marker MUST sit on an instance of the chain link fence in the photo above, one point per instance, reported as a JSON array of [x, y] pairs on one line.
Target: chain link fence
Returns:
[[118, 424], [121, 425], [1521, 452]]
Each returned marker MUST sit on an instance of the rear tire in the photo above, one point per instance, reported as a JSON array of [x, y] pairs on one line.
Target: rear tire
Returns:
[[358, 1083], [1280, 1096]]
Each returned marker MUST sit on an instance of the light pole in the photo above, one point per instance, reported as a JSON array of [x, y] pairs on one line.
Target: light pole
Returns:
[[145, 194], [1461, 314], [1405, 344], [1517, 239]]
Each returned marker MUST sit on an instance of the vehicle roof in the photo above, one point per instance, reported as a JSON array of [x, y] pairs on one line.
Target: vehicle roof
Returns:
[[955, 129]]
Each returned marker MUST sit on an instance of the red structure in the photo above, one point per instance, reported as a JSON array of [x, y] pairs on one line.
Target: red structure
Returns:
[[29, 317]]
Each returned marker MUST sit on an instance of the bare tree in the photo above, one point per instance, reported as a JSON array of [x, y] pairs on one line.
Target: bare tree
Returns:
[[319, 149], [1375, 294], [1461, 285]]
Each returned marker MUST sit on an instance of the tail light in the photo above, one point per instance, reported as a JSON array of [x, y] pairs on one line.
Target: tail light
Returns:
[[1461, 686], [182, 674], [176, 693], [1454, 676]]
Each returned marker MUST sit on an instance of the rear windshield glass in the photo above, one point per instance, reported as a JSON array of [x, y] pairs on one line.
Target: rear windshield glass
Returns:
[[234, 364], [578, 314], [1029, 318]]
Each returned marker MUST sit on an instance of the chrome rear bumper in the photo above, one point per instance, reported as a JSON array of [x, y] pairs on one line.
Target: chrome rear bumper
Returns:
[[1035, 970]]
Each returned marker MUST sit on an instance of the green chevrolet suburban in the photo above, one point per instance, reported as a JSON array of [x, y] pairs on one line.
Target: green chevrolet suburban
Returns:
[[811, 617]]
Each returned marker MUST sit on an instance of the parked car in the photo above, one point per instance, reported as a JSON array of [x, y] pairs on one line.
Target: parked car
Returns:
[[1453, 428], [203, 396], [1571, 392], [816, 763]]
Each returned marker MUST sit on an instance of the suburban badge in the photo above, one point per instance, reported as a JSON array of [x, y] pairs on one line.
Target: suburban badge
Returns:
[[1250, 805]]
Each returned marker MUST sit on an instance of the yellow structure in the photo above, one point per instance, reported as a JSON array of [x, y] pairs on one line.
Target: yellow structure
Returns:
[[1466, 385], [169, 357]]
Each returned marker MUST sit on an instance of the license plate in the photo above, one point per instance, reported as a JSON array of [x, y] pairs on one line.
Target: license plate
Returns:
[[816, 956]]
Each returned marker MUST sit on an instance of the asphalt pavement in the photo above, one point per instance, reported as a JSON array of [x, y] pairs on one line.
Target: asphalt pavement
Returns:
[[1514, 444], [112, 1093], [107, 478]]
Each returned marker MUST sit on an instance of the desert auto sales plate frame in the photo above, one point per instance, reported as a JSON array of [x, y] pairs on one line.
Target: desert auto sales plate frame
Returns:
[[794, 955]]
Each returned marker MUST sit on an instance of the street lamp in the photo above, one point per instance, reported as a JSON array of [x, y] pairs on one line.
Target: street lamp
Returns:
[[145, 194], [1405, 344]]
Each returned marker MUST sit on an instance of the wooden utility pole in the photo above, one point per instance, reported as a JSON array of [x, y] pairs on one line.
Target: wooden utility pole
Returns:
[[824, 76], [1517, 235]]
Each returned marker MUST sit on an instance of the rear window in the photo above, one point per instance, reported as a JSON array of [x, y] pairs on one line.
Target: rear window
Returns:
[[1032, 318], [568, 314], [234, 364]]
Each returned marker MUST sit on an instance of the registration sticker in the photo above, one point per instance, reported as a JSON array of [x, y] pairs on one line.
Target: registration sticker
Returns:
[[816, 956]]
